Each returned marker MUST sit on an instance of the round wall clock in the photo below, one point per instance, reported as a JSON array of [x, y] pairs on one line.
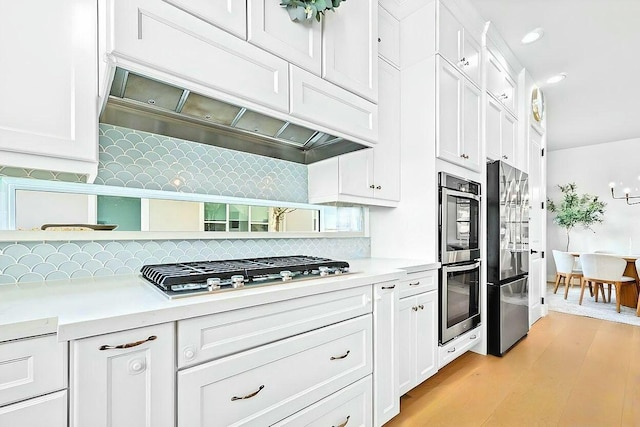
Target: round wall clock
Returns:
[[537, 104]]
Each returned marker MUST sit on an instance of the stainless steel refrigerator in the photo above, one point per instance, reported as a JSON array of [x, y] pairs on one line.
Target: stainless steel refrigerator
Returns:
[[507, 257]]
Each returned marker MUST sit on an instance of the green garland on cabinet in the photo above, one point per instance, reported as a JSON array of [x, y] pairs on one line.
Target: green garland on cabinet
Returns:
[[305, 10]]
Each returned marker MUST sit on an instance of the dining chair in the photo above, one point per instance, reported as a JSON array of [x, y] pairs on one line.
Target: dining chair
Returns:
[[565, 270], [600, 269]]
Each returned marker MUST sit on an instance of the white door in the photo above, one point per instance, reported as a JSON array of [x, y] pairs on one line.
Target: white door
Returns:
[[494, 116], [471, 129], [386, 169], [132, 386], [230, 15], [509, 138], [426, 335], [471, 55], [49, 410], [537, 282], [350, 48], [449, 35], [448, 112], [270, 27], [386, 348], [406, 359], [356, 173]]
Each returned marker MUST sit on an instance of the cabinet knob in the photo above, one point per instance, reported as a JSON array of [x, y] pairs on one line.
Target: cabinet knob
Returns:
[[379, 39], [473, 337], [137, 366], [421, 307], [453, 350], [372, 186], [463, 62], [503, 96], [414, 308], [464, 156], [189, 353], [379, 187], [505, 157]]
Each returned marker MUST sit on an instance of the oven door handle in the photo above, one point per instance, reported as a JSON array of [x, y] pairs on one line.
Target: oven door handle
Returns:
[[462, 194], [457, 268]]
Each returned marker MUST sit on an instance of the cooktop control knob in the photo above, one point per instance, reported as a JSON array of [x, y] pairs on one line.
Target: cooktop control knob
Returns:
[[324, 271], [213, 283], [237, 281], [286, 275]]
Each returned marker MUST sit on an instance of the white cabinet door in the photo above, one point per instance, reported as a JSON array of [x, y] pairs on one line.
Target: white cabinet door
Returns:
[[509, 132], [471, 125], [356, 173], [132, 386], [270, 28], [386, 170], [49, 117], [388, 38], [449, 87], [501, 82], [49, 410], [386, 350], [418, 339], [407, 355], [450, 33], [426, 319], [400, 9], [494, 128], [350, 48], [471, 58], [230, 15], [165, 41]]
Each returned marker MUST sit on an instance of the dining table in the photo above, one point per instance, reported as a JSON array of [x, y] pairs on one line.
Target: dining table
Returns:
[[629, 294]]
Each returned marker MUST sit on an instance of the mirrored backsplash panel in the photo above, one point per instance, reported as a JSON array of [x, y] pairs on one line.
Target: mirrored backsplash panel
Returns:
[[131, 158], [22, 262]]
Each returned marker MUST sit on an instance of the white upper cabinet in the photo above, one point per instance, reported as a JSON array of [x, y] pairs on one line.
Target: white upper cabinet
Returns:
[[501, 82], [401, 8], [388, 37], [230, 15], [502, 135], [49, 117], [458, 45], [458, 118], [350, 48], [270, 28], [493, 128], [162, 39], [369, 177]]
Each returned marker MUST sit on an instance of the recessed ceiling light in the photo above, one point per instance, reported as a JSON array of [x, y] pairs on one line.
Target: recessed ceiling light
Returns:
[[557, 78], [533, 36]]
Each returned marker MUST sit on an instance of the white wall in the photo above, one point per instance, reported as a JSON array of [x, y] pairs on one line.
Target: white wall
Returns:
[[592, 168]]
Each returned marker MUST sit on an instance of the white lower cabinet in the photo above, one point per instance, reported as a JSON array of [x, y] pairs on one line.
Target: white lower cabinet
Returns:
[[350, 406], [124, 379], [459, 345], [266, 384], [386, 347], [49, 410], [418, 339]]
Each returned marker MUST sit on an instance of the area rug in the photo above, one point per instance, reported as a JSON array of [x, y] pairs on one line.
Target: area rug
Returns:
[[589, 307]]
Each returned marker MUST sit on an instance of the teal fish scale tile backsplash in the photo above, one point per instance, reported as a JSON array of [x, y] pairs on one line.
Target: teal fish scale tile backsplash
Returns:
[[37, 261], [131, 158]]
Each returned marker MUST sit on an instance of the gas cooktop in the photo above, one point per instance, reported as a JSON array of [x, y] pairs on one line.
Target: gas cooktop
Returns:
[[202, 277]]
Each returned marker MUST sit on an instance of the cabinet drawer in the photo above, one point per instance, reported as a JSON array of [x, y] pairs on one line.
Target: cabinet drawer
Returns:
[[319, 101], [350, 406], [210, 337], [454, 349], [416, 283], [178, 40], [31, 367], [49, 410], [264, 385]]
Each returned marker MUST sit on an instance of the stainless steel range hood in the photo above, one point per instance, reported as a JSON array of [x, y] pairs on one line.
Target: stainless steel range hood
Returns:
[[141, 103]]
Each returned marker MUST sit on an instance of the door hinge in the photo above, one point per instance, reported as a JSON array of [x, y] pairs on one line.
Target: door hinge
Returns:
[[542, 152], [542, 300], [542, 205], [542, 254]]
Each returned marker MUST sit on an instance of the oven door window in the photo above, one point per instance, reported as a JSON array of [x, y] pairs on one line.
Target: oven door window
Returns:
[[462, 223], [462, 289]]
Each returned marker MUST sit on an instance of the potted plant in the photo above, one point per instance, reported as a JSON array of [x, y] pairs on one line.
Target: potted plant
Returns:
[[575, 209], [305, 10]]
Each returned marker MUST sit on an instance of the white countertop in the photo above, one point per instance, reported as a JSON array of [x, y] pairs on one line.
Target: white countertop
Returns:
[[86, 307]]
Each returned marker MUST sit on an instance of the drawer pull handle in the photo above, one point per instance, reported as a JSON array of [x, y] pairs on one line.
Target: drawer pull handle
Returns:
[[473, 337], [389, 287], [248, 396], [340, 357], [453, 350], [344, 423], [128, 345], [414, 284]]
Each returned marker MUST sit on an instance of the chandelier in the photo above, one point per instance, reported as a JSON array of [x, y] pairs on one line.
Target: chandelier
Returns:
[[626, 196]]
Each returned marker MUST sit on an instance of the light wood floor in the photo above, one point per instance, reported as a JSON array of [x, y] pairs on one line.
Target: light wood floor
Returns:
[[569, 371]]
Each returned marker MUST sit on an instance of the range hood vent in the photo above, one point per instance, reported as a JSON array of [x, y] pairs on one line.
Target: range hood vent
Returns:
[[145, 104]]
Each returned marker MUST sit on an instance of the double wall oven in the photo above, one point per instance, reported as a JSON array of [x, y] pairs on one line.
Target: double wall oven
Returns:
[[459, 243]]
